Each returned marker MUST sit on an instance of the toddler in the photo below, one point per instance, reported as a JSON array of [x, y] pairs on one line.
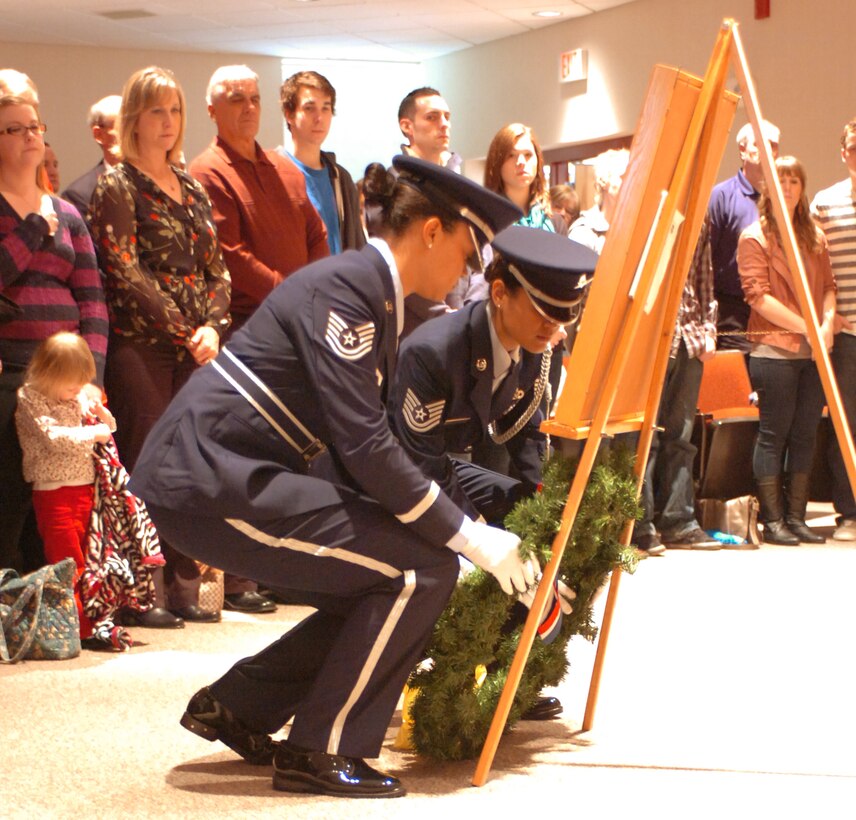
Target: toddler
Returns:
[[58, 426]]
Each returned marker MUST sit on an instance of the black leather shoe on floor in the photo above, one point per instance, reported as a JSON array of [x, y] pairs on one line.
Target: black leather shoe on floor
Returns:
[[156, 618], [207, 717], [196, 613], [300, 770], [249, 602], [544, 709]]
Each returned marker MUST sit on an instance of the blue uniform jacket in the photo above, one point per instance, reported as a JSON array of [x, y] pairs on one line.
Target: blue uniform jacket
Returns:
[[322, 343], [440, 401]]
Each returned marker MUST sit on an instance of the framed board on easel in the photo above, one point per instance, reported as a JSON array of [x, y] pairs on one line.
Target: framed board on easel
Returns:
[[621, 354]]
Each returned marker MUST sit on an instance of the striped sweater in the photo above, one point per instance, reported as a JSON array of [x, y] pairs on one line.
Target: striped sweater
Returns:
[[835, 211], [54, 279]]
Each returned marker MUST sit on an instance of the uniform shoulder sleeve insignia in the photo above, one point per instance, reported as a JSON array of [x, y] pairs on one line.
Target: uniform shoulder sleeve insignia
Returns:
[[351, 343], [421, 417]]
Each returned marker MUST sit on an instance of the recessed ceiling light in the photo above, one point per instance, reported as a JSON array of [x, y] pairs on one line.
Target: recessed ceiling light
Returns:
[[125, 14], [546, 13]]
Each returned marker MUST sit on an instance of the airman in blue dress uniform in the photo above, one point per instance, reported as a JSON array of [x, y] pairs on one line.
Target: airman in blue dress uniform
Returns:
[[483, 371], [277, 463]]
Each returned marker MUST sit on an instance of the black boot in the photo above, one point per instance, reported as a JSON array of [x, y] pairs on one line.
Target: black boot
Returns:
[[770, 499], [796, 498]]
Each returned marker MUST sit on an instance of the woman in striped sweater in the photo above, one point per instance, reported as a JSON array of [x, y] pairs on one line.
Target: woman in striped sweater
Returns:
[[47, 266]]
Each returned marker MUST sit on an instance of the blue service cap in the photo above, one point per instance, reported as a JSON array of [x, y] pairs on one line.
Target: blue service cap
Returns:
[[552, 269], [486, 211]]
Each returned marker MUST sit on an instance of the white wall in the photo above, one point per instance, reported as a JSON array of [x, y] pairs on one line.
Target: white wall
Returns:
[[70, 79], [365, 128], [800, 58]]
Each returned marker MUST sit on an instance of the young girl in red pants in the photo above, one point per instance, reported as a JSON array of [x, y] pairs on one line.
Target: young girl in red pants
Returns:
[[58, 427]]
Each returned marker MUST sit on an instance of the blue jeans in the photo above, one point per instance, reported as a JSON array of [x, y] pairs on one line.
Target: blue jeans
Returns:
[[668, 494], [844, 365], [790, 405]]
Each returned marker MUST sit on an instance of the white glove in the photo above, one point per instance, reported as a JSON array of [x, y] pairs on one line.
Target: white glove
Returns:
[[558, 604], [497, 552], [566, 595]]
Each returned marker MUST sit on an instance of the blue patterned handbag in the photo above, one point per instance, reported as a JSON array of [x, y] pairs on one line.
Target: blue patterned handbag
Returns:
[[38, 615]]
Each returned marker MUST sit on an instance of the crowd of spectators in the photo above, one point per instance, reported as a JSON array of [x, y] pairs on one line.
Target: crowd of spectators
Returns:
[[166, 258]]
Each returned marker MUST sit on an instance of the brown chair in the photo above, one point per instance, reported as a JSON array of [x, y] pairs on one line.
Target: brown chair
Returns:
[[726, 427]]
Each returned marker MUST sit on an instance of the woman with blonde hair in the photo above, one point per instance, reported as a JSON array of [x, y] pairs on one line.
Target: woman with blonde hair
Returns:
[[515, 169], [790, 396], [48, 273], [167, 287]]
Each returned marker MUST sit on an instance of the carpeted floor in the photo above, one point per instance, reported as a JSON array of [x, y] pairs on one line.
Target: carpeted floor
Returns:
[[728, 691]]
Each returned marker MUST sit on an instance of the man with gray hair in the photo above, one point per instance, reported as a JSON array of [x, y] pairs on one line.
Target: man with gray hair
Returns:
[[734, 206], [266, 224], [102, 123]]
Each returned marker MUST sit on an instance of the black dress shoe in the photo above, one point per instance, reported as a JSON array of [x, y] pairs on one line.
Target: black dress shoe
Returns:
[[544, 709], [207, 717], [156, 618], [300, 770], [249, 602], [196, 613]]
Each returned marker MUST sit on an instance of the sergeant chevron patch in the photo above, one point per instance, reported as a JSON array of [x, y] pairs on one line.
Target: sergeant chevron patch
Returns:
[[421, 417], [349, 343]]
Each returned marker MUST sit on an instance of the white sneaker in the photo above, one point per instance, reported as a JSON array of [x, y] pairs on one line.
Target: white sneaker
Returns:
[[846, 530]]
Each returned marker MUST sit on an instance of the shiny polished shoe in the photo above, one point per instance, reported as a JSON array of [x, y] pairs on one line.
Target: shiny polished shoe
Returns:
[[544, 709], [207, 717], [300, 770], [197, 614], [251, 602], [155, 618]]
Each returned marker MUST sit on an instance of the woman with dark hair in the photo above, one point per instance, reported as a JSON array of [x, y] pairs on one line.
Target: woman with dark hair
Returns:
[[515, 169], [167, 288], [790, 396], [277, 463], [482, 372], [47, 269]]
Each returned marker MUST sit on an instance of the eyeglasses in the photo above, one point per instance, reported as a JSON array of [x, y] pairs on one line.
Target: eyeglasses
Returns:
[[36, 129]]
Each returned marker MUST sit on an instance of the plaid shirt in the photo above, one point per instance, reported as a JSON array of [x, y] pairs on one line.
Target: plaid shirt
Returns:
[[697, 314]]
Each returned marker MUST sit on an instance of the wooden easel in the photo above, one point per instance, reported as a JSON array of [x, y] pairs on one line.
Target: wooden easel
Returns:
[[621, 355]]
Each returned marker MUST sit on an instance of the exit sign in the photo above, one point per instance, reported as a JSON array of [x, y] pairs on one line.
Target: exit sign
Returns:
[[573, 65]]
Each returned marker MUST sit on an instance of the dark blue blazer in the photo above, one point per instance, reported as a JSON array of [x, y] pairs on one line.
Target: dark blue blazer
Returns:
[[323, 342], [441, 399]]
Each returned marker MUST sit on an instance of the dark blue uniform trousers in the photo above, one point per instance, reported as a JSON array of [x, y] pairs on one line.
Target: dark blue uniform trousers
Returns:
[[378, 588]]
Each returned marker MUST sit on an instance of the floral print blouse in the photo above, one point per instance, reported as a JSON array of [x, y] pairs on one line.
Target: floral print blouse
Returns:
[[162, 264]]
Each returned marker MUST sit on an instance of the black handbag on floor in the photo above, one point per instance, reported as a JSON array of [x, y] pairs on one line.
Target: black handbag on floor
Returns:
[[38, 614]]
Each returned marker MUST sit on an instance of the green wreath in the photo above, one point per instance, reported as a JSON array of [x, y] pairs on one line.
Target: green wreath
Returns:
[[471, 650]]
